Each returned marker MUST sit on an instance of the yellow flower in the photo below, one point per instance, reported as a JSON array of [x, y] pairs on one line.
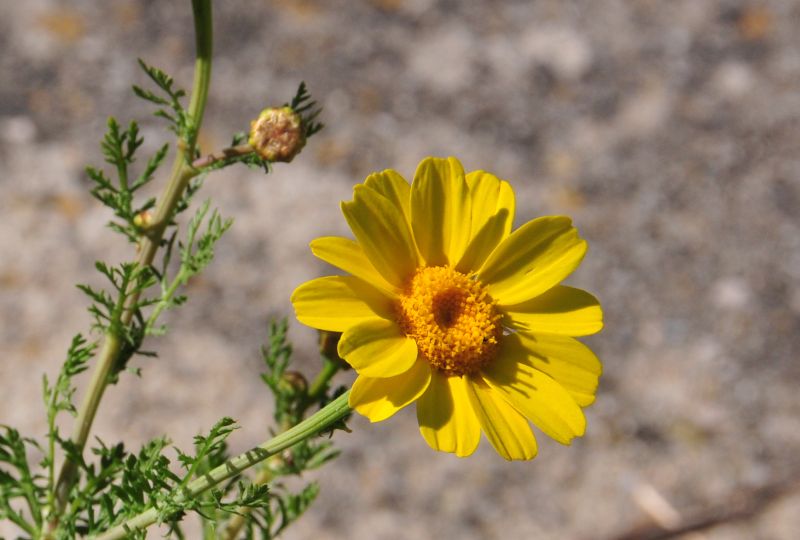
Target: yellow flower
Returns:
[[446, 306]]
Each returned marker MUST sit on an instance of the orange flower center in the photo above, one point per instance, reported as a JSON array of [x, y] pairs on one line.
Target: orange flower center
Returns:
[[452, 318]]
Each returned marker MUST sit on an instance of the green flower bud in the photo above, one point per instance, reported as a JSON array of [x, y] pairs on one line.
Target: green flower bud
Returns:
[[294, 383], [328, 346]]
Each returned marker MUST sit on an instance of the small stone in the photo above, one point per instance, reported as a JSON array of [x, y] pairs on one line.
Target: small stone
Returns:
[[731, 293], [562, 49], [733, 79], [17, 130]]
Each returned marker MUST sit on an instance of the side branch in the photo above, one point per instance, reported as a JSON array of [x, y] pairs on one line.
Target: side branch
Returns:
[[323, 420], [222, 155]]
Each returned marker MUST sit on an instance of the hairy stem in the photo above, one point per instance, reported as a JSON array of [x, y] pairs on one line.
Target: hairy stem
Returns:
[[182, 173], [324, 419]]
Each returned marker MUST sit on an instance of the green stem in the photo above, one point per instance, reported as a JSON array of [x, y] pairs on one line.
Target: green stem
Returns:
[[30, 497], [324, 419], [204, 39], [51, 451], [266, 474], [209, 532], [182, 173], [19, 521], [320, 384], [166, 297]]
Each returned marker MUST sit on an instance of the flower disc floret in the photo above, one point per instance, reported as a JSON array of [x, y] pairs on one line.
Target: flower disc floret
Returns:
[[452, 319]]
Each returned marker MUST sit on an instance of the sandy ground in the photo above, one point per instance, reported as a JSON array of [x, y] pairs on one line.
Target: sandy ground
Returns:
[[668, 130]]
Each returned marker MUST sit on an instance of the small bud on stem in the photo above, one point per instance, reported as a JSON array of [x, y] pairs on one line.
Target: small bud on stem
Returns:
[[294, 382], [143, 220], [329, 348]]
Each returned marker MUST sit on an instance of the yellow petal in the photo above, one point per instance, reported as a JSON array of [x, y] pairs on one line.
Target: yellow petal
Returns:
[[445, 416], [382, 231], [347, 255], [335, 303], [533, 259], [492, 205], [569, 362], [489, 195], [440, 215], [378, 399], [377, 348], [535, 394], [506, 429], [394, 187], [561, 310]]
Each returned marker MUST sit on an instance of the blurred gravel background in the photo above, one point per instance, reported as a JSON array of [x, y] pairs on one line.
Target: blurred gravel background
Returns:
[[669, 130]]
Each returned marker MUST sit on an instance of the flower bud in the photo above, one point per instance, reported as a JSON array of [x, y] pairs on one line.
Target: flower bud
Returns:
[[277, 134], [143, 220], [329, 345], [294, 382]]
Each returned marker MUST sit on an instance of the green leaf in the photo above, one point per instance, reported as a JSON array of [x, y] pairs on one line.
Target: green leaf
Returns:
[[307, 108], [119, 148], [170, 107]]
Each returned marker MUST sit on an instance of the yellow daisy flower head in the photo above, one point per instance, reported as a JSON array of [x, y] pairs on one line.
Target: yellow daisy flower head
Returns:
[[447, 307]]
